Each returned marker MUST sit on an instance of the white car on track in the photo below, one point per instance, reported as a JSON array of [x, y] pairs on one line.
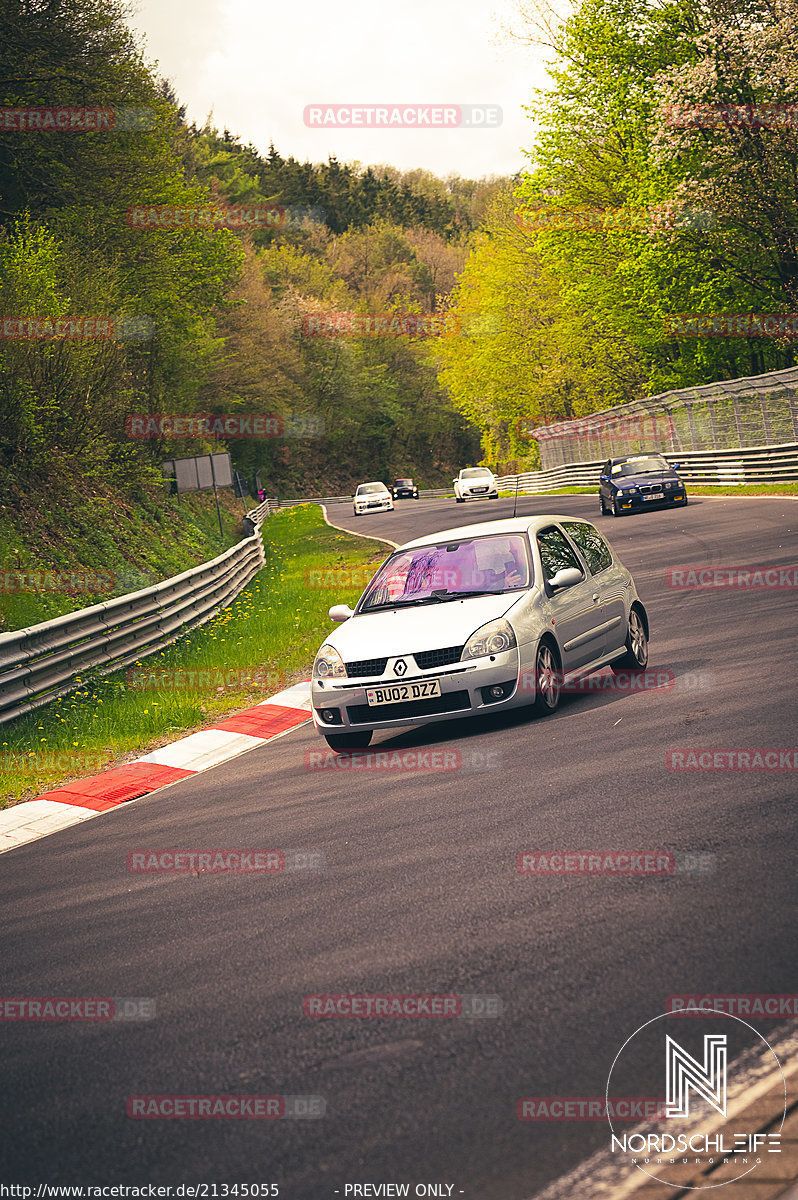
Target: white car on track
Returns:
[[489, 616], [475, 483], [372, 497]]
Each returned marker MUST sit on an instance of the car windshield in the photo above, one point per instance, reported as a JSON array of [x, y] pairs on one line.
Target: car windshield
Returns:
[[366, 489], [641, 466], [450, 570], [474, 473], [403, 482]]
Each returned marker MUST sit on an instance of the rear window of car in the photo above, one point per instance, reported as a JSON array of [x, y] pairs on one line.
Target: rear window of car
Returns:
[[591, 543]]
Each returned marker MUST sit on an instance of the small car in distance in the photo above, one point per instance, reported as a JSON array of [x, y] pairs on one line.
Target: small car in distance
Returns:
[[372, 497], [404, 489], [485, 617], [637, 481], [475, 483]]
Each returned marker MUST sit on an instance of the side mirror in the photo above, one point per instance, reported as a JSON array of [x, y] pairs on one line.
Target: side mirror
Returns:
[[603, 478], [675, 466], [341, 612], [565, 577]]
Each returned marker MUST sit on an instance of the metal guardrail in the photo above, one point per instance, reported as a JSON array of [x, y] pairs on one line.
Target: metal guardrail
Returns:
[[44, 661], [751, 464]]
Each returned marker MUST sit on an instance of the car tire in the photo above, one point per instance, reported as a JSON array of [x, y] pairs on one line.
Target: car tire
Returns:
[[348, 741], [547, 697], [496, 497], [355, 513], [602, 505], [459, 499], [636, 656]]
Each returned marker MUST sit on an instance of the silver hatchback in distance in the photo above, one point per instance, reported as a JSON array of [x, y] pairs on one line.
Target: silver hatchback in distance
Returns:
[[485, 617]]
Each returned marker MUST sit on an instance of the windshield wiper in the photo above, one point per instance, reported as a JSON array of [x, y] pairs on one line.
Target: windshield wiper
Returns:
[[431, 599], [439, 597]]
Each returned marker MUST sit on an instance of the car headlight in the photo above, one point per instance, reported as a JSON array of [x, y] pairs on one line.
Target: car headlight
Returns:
[[328, 663], [493, 638]]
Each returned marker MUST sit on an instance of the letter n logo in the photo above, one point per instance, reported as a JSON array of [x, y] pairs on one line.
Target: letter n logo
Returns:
[[684, 1072]]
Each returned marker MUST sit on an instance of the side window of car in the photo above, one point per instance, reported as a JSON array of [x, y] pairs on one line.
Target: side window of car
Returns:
[[555, 553], [591, 543]]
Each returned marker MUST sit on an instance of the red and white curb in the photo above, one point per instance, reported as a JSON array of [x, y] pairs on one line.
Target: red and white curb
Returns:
[[84, 798]]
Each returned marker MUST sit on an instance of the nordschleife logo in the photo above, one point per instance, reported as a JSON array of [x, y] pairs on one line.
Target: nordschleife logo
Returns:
[[707, 1133]]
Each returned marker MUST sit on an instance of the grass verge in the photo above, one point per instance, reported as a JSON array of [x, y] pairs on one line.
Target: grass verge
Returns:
[[264, 641], [60, 552]]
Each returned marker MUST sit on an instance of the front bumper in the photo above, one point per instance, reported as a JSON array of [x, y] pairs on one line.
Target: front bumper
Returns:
[[486, 495], [635, 503], [461, 695], [380, 506]]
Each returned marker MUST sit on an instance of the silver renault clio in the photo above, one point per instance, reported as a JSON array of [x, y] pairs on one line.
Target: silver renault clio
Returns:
[[485, 617]]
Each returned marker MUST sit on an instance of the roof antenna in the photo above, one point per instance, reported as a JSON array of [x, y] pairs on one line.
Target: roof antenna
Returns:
[[515, 502]]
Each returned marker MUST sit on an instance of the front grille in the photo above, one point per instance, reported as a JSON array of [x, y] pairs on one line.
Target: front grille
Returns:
[[366, 666], [363, 714], [650, 487], [437, 658]]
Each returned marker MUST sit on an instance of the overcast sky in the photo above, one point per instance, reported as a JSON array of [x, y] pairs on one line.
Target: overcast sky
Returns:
[[255, 66]]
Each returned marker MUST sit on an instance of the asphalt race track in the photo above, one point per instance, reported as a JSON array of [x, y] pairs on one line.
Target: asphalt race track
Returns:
[[420, 894]]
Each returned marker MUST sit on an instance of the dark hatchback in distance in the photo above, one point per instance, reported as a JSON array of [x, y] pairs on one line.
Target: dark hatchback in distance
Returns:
[[404, 489], [639, 481]]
